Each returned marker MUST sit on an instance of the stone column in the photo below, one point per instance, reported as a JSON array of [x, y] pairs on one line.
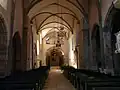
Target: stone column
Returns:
[[101, 34], [24, 49], [77, 48], [41, 48], [10, 50], [86, 44], [24, 40]]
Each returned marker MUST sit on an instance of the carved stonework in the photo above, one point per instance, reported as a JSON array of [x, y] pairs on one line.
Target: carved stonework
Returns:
[[117, 42], [107, 49]]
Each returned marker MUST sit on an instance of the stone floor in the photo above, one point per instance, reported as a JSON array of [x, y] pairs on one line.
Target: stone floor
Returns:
[[56, 81]]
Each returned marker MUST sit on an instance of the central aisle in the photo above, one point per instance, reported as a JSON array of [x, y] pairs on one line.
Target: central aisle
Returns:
[[56, 81]]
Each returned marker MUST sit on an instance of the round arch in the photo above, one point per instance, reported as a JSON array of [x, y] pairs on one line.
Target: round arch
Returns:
[[16, 43], [51, 59], [60, 49]]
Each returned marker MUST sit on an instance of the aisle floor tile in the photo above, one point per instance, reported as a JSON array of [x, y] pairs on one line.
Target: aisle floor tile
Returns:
[[57, 81]]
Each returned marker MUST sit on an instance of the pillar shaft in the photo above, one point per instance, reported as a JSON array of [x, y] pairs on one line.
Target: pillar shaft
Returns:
[[101, 33]]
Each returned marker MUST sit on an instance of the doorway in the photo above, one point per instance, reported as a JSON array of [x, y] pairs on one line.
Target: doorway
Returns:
[[16, 42], [111, 27], [54, 57]]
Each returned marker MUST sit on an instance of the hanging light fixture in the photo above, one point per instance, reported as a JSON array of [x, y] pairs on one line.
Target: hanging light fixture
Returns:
[[58, 41], [61, 27]]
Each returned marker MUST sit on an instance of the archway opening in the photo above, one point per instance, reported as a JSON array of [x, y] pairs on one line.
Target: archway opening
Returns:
[[111, 33], [54, 57], [114, 40], [16, 42]]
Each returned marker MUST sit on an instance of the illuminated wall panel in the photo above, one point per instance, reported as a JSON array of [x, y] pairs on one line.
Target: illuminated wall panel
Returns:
[[3, 3], [38, 47]]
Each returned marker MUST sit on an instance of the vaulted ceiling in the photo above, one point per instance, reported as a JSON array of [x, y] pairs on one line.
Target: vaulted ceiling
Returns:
[[51, 15]]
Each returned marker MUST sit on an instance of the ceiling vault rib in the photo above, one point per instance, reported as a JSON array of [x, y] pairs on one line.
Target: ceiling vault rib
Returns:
[[35, 23], [48, 32], [56, 16], [54, 47], [46, 36], [60, 6], [82, 11], [32, 4], [54, 22], [81, 6], [49, 27]]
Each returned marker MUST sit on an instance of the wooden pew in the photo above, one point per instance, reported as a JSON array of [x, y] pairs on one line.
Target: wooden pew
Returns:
[[33, 79], [102, 85], [90, 80]]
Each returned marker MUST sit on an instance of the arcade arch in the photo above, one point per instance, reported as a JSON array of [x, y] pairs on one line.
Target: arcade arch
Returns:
[[54, 57]]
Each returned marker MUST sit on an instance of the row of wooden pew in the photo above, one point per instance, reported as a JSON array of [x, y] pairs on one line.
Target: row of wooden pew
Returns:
[[91, 80], [28, 80]]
